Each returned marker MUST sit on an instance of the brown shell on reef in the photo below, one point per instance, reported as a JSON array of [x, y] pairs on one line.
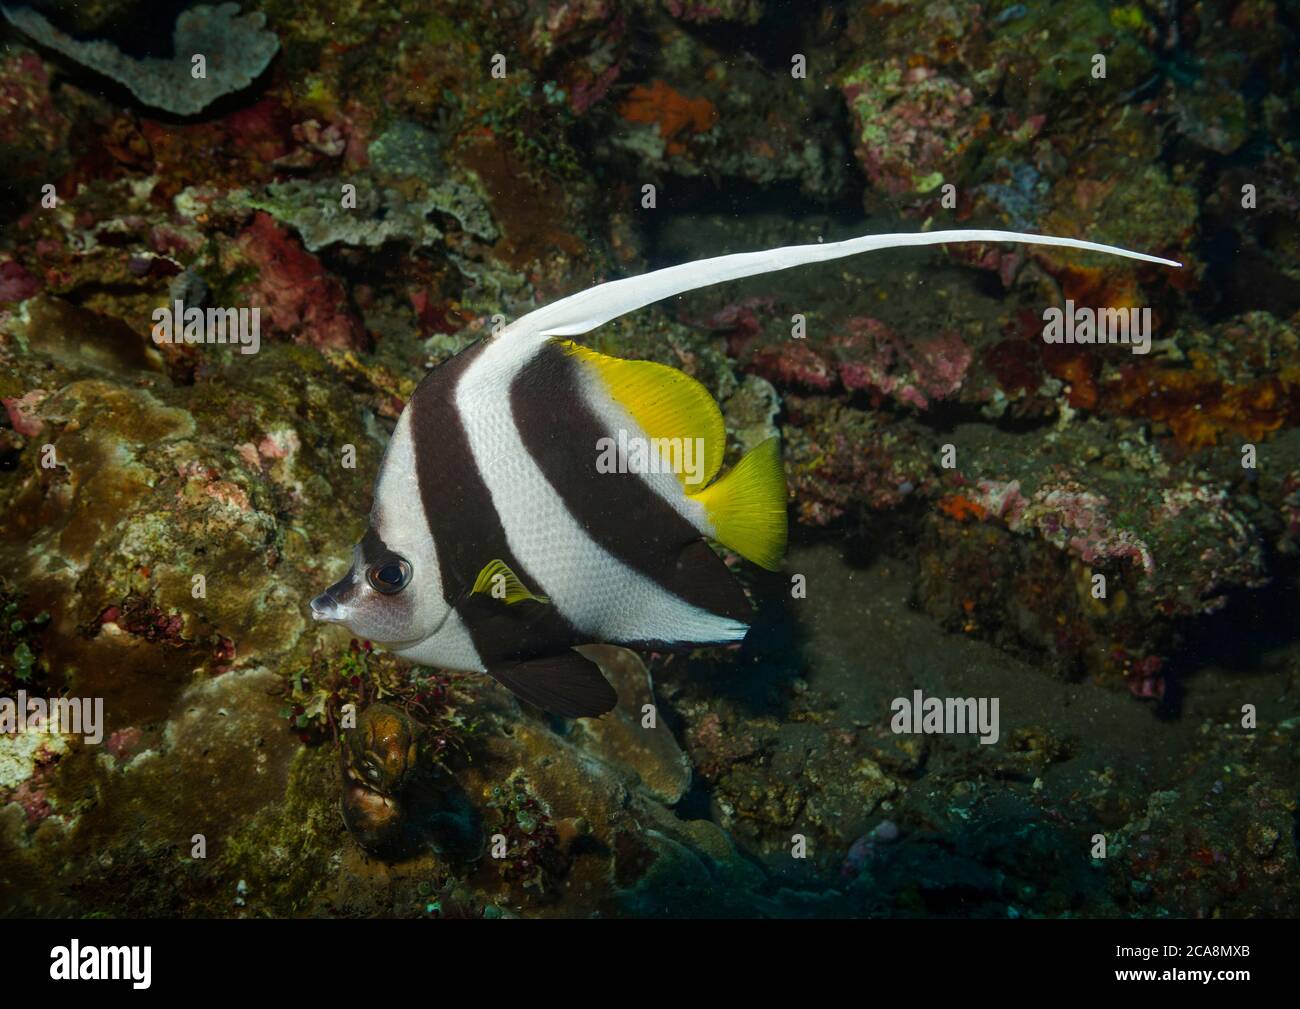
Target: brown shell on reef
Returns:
[[374, 820], [381, 753], [379, 759]]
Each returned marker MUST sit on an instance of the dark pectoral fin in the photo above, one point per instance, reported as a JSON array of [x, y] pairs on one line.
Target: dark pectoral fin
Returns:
[[565, 684]]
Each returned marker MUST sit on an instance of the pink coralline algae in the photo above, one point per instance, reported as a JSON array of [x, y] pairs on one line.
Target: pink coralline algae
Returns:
[[1205, 545], [223, 491], [229, 494], [29, 121], [704, 11], [277, 445], [794, 364], [168, 241], [913, 125], [345, 134], [584, 93], [1078, 520], [864, 356], [1224, 546], [1068, 516], [297, 295], [863, 850], [1001, 500], [599, 29], [223, 654], [123, 742], [16, 283], [1145, 678], [141, 619], [840, 458], [1006, 263], [871, 357], [741, 321], [21, 412], [328, 140], [562, 19], [31, 797]]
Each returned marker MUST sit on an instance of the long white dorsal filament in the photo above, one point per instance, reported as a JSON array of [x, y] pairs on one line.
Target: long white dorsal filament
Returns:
[[584, 311]]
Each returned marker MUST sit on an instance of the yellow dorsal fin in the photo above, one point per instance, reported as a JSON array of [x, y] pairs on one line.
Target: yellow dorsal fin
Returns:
[[497, 581], [667, 404], [748, 506]]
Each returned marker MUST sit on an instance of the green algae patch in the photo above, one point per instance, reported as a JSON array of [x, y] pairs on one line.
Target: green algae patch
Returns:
[[279, 862], [131, 416]]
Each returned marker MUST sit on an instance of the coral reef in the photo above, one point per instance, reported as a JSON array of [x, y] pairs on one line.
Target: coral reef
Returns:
[[1105, 542]]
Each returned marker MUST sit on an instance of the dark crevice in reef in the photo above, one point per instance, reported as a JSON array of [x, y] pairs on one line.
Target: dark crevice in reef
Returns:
[[1252, 625], [697, 803], [783, 29], [884, 534], [1242, 277], [80, 295], [945, 416], [739, 199]]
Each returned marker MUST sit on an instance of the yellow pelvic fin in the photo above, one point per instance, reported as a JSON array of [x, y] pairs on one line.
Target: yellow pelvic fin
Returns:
[[497, 581], [667, 404], [748, 506]]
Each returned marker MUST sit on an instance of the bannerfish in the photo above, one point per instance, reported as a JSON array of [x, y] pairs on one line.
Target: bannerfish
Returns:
[[537, 495]]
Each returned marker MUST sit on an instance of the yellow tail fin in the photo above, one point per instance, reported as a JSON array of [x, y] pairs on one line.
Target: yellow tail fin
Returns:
[[748, 506]]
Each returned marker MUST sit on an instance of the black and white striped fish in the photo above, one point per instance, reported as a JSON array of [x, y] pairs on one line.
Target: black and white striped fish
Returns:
[[498, 540]]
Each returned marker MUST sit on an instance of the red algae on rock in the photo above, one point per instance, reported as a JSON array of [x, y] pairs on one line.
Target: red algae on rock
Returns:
[[299, 296]]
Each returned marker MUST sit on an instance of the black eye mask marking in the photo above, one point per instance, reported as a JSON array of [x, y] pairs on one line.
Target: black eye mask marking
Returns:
[[386, 571], [374, 550]]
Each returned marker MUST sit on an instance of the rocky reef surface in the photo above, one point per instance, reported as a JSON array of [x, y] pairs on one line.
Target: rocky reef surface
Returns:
[[1105, 542]]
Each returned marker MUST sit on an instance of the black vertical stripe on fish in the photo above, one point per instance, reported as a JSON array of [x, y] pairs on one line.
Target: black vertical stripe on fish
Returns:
[[374, 549], [466, 528], [620, 511]]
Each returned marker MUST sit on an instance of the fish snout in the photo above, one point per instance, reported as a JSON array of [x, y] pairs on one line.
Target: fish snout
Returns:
[[326, 609]]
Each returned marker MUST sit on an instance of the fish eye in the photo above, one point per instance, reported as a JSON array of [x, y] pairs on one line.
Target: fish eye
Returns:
[[389, 577]]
